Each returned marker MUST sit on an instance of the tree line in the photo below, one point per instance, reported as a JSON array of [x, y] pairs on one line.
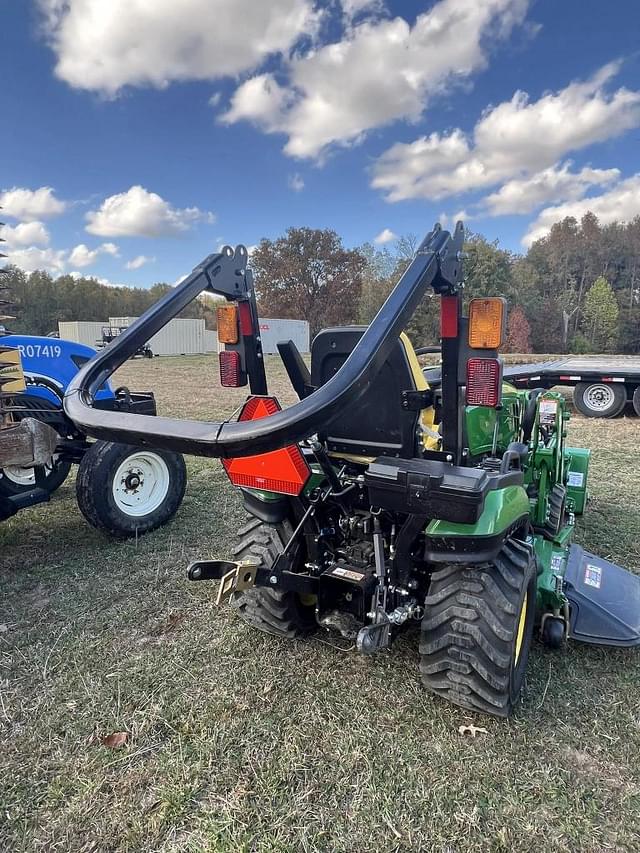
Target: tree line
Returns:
[[37, 301], [575, 290]]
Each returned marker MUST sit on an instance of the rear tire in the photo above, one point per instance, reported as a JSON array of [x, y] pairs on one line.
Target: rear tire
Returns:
[[126, 491], [599, 399], [477, 630], [636, 401], [273, 611]]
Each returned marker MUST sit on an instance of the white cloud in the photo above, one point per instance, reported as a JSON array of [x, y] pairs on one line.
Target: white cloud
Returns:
[[50, 260], [30, 205], [104, 46], [516, 139], [25, 234], [140, 213], [381, 71], [82, 256], [557, 183], [139, 261], [295, 182], [619, 204], [353, 8], [385, 236]]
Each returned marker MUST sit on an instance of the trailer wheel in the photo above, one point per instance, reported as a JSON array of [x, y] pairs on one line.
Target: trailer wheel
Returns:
[[477, 630], [599, 399], [126, 491], [16, 481], [636, 401], [274, 611]]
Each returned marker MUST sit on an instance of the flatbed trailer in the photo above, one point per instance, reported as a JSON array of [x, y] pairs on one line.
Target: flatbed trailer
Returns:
[[602, 386]]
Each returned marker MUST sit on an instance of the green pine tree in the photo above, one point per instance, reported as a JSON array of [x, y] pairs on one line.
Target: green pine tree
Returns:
[[600, 316]]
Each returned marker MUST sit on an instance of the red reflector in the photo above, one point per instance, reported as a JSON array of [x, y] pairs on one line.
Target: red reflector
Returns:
[[284, 471], [484, 381], [448, 316], [230, 370], [246, 326]]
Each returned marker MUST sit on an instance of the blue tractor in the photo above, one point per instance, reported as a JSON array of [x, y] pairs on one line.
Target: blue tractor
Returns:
[[121, 490]]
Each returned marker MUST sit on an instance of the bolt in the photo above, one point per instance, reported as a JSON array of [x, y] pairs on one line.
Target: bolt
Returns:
[[449, 457], [273, 579]]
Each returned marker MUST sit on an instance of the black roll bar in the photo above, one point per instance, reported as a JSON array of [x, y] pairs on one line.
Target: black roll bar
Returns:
[[437, 263]]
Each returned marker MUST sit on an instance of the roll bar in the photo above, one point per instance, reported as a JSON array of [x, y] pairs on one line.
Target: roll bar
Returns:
[[437, 263]]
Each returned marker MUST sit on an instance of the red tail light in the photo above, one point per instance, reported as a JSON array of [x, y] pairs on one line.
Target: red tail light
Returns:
[[230, 369], [246, 325], [284, 471], [484, 382]]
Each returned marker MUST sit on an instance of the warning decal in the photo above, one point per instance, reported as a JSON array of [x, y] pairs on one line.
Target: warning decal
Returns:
[[593, 576]]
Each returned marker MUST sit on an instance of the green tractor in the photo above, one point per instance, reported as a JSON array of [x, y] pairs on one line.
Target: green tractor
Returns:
[[390, 495]]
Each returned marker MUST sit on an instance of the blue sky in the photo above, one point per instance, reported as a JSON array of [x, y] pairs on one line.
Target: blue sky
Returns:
[[135, 138]]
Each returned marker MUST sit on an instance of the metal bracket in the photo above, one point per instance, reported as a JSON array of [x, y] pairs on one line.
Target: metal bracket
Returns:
[[233, 576], [374, 637], [416, 401]]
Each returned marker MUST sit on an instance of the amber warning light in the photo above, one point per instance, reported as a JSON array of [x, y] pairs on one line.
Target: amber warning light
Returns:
[[284, 471], [486, 323]]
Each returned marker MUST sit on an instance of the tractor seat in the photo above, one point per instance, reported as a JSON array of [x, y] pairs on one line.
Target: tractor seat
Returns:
[[377, 423], [433, 375]]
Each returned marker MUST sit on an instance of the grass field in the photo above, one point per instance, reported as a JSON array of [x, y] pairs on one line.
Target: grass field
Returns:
[[238, 742]]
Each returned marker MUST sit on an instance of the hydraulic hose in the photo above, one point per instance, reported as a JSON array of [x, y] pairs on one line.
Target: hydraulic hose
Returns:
[[436, 263]]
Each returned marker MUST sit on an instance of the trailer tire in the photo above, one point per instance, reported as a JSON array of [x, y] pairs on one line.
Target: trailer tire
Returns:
[[600, 399], [126, 491], [274, 611], [636, 401], [477, 630]]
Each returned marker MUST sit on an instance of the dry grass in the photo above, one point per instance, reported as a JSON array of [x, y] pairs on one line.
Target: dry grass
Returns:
[[238, 742]]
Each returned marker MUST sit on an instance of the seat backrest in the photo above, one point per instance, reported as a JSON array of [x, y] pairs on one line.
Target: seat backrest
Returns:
[[376, 424]]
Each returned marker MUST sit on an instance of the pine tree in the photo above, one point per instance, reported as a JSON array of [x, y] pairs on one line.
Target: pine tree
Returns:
[[600, 316], [518, 332]]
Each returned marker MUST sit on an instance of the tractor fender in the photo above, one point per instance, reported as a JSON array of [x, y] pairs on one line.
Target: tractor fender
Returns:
[[267, 506], [505, 511]]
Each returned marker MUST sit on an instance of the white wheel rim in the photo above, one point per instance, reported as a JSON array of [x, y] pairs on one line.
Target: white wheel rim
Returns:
[[140, 484], [599, 397], [26, 476]]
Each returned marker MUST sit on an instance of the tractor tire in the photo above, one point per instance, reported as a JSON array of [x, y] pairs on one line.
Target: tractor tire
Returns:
[[636, 401], [18, 481], [477, 630], [556, 511], [126, 491], [599, 399], [283, 614]]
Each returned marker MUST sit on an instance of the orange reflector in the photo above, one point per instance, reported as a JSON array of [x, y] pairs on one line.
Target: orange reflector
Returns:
[[484, 381], [227, 317], [486, 322], [284, 471]]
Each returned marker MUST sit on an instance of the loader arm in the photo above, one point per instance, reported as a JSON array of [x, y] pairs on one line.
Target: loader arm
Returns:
[[437, 264]]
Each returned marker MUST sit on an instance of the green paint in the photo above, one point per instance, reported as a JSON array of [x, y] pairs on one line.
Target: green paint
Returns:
[[552, 563], [502, 508]]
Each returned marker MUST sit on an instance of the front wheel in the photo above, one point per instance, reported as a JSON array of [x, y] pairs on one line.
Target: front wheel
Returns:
[[17, 481], [599, 399], [126, 491], [477, 630]]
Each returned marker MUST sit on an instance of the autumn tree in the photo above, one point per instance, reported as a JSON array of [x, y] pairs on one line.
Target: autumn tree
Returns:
[[600, 316], [308, 274], [518, 331]]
